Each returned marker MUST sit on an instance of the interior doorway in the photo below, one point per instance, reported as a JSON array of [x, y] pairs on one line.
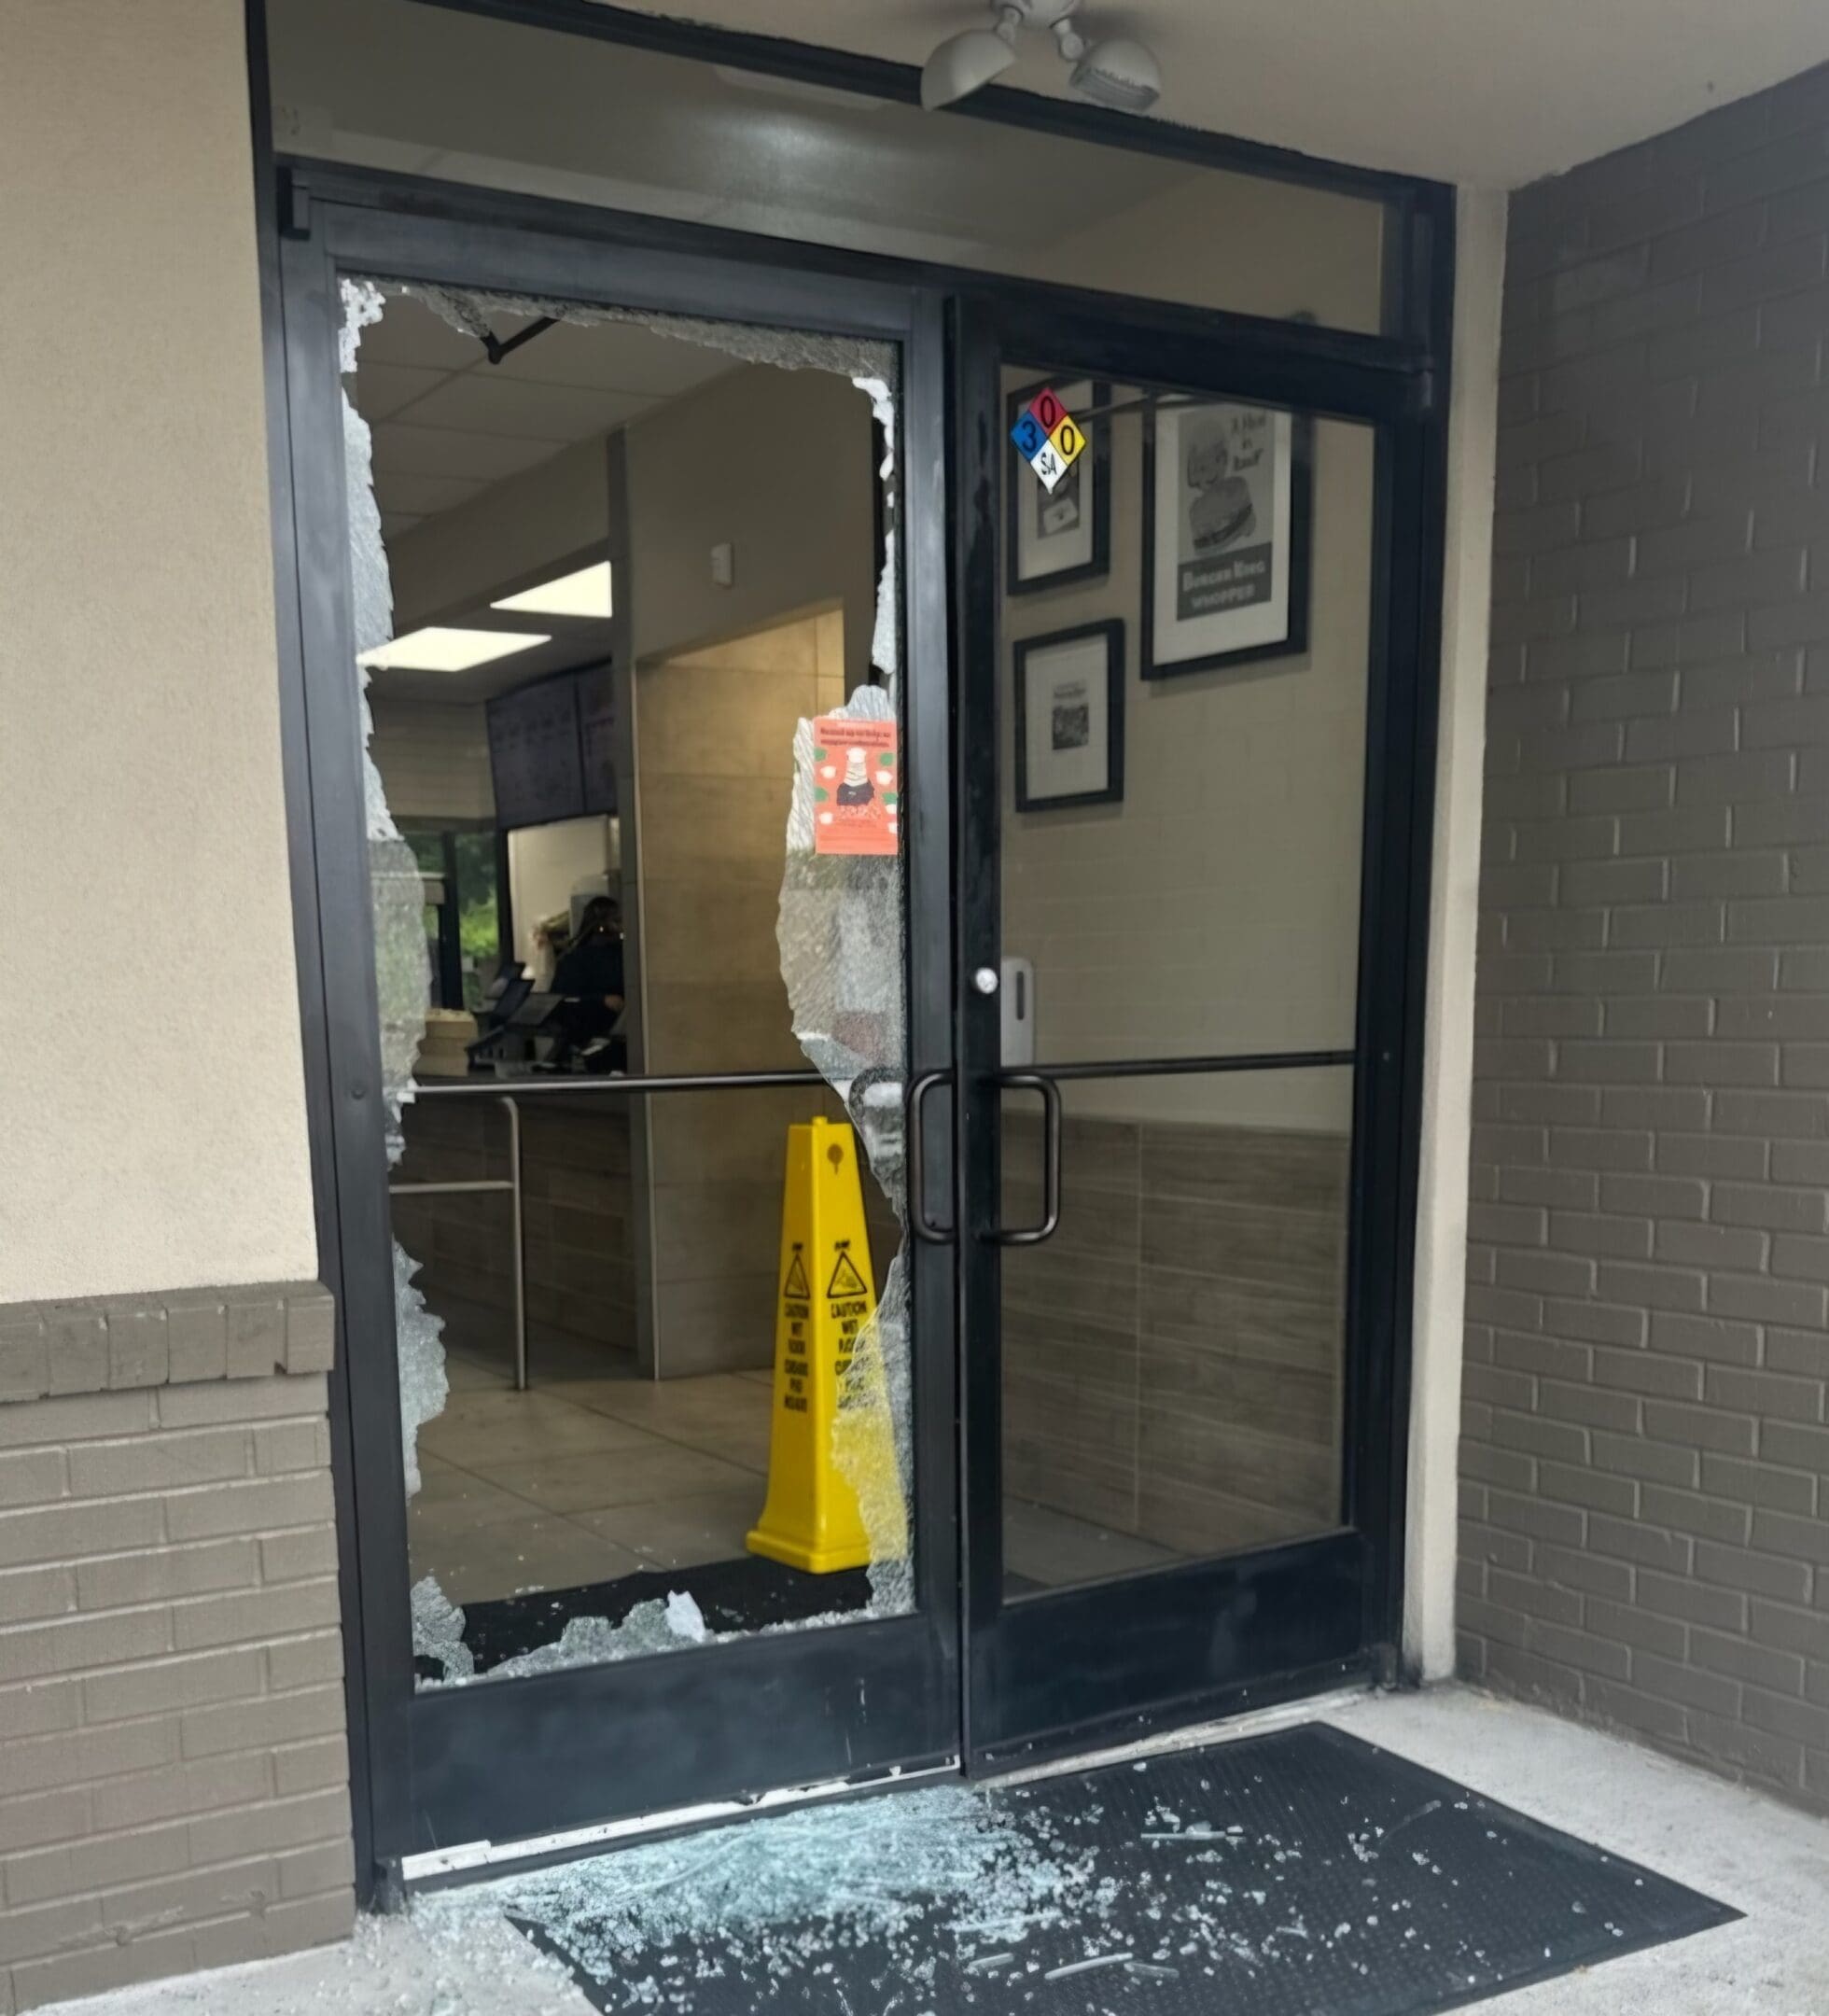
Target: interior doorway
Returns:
[[625, 573]]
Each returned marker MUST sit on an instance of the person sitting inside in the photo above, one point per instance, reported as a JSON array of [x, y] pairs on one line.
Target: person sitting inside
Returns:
[[590, 979]]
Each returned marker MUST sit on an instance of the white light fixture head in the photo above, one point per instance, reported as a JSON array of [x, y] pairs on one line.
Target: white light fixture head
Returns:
[[585, 592], [1121, 72], [964, 63], [435, 648]]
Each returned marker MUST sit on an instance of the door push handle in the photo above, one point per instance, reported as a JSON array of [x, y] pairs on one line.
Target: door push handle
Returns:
[[1051, 1161], [922, 1226]]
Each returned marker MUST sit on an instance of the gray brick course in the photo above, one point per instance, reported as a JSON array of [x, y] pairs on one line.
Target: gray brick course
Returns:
[[173, 1768], [1648, 1327], [145, 1341]]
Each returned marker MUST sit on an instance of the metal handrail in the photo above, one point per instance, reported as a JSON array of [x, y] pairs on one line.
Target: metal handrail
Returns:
[[559, 1084], [1186, 1067], [511, 1185], [628, 1085]]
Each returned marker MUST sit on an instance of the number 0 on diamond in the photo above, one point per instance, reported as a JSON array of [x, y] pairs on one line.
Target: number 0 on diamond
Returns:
[[1048, 437]]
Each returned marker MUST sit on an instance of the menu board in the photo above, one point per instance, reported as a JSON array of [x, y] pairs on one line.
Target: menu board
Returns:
[[552, 748], [597, 729]]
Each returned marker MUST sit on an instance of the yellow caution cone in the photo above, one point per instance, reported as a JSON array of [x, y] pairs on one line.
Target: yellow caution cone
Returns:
[[828, 1298]]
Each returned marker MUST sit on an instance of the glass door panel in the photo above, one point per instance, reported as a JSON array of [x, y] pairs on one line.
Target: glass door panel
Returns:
[[641, 1512], [1174, 1356], [587, 1278], [1187, 679], [1183, 812]]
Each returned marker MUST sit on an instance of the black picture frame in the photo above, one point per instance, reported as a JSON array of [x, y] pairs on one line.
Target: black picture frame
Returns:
[[1295, 641], [1095, 467], [1113, 631]]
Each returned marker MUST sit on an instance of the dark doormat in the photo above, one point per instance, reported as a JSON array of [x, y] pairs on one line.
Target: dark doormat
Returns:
[[1301, 1873]]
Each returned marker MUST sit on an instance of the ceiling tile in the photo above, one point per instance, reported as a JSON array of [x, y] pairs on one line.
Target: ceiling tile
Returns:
[[485, 402], [432, 451], [382, 389], [399, 495], [614, 356], [410, 333]]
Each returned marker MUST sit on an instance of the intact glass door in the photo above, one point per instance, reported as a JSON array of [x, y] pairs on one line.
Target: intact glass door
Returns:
[[1178, 1151], [613, 559]]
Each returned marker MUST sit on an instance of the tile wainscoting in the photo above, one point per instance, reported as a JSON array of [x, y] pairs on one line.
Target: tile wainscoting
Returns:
[[1173, 1356]]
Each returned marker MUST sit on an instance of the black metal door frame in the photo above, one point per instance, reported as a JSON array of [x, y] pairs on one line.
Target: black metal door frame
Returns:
[[1062, 1670], [493, 1781], [572, 1750]]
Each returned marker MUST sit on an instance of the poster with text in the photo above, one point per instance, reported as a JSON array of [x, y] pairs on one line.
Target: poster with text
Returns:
[[1229, 500], [856, 786]]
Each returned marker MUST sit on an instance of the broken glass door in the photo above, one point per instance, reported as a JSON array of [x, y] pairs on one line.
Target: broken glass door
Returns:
[[610, 1505], [630, 592]]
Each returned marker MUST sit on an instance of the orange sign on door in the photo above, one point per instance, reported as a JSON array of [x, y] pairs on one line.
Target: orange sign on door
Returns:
[[856, 787]]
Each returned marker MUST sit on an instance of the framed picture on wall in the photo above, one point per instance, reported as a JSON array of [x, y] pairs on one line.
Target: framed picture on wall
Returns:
[[1228, 505], [1069, 718], [1053, 538]]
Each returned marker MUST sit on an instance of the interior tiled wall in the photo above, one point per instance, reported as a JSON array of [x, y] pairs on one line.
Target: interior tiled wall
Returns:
[[1173, 1356], [577, 1214], [714, 741]]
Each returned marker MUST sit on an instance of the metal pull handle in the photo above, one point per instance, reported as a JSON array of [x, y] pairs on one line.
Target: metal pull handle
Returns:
[[1051, 1161], [923, 1228]]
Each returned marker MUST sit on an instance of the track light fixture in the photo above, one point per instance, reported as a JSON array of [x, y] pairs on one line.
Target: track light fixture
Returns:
[[1121, 72], [964, 63]]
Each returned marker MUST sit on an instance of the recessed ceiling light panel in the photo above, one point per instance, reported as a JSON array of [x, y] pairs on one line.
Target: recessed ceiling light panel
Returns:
[[586, 592], [438, 649]]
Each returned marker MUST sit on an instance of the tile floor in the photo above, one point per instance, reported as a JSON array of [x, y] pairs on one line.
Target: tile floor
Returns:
[[595, 1474], [586, 1478]]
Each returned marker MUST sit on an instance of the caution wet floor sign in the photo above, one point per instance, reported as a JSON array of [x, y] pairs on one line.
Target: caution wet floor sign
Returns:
[[827, 1300]]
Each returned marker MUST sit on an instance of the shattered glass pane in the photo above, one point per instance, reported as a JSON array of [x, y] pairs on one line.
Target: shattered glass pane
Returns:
[[840, 934], [1296, 1871], [425, 1386], [779, 1896], [403, 974], [841, 938], [786, 349], [437, 1631]]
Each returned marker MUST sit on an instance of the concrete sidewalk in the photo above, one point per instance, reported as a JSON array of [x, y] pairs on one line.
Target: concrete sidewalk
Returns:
[[1761, 1857]]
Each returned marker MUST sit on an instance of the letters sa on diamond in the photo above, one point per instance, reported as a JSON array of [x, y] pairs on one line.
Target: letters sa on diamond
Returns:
[[1048, 437]]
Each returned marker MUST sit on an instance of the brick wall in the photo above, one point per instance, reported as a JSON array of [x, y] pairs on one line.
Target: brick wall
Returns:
[[173, 1773], [1647, 1535]]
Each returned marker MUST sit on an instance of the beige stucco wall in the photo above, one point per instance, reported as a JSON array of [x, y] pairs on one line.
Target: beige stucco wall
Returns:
[[1454, 904], [1216, 909], [151, 1097], [778, 464]]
